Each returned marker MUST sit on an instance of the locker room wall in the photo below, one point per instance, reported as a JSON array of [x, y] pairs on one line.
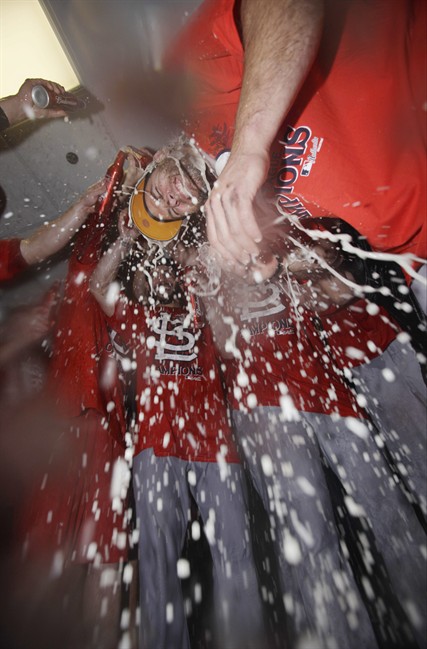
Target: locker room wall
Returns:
[[112, 44]]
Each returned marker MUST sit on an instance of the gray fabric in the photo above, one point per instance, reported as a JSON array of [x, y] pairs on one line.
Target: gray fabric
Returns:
[[398, 408], [320, 594], [162, 488], [369, 483]]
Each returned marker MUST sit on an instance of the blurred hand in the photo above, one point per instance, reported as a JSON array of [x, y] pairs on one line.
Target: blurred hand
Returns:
[[231, 222], [90, 196], [137, 160], [127, 230]]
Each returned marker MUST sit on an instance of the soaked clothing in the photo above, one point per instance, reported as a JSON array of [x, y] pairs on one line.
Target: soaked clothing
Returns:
[[358, 333], [285, 443], [383, 371], [180, 407], [341, 150], [81, 376], [164, 487], [278, 385], [75, 511], [282, 363], [183, 449]]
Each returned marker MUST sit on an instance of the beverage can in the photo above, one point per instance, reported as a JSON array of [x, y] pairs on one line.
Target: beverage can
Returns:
[[44, 98]]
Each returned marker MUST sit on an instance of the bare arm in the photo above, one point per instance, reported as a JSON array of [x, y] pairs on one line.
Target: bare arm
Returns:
[[53, 236], [280, 38], [223, 327], [20, 107], [106, 271]]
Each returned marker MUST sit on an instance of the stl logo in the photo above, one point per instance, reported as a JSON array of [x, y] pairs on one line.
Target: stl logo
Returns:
[[264, 301], [173, 340]]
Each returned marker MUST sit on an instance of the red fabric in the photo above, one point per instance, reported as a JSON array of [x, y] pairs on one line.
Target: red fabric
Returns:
[[353, 144], [209, 49], [353, 328], [73, 511], [70, 509], [12, 262], [284, 357], [80, 358], [84, 384], [180, 400]]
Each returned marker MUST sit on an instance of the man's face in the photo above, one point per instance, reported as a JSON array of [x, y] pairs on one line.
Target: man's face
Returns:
[[176, 187]]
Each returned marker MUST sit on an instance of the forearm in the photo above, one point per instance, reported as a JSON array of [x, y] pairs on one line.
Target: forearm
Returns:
[[20, 107], [106, 272], [53, 236], [13, 109], [280, 39], [222, 320]]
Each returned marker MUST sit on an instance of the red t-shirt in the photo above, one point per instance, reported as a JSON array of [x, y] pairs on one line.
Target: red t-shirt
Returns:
[[353, 145], [359, 333], [12, 262], [81, 376], [180, 401], [281, 358]]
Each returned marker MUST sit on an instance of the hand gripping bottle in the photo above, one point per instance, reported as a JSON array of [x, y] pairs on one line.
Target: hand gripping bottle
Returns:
[[93, 231], [44, 98]]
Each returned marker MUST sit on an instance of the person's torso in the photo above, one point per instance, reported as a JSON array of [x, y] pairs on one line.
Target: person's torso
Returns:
[[353, 144], [180, 406], [281, 362]]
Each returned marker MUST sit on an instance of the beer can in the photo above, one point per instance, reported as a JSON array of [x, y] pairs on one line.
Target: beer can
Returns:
[[44, 98]]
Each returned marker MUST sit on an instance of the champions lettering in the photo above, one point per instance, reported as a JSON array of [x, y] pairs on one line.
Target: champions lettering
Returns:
[[295, 144], [280, 327], [179, 370]]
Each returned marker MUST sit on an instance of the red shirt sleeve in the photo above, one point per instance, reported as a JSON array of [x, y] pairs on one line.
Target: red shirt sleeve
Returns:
[[209, 49], [12, 262]]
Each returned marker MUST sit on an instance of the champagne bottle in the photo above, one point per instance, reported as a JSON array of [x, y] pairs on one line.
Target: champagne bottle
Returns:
[[92, 232]]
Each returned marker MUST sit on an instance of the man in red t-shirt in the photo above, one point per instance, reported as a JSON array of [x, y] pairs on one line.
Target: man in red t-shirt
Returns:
[[288, 403], [376, 343], [182, 448], [323, 99]]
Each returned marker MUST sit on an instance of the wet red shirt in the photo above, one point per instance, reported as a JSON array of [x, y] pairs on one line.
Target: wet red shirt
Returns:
[[353, 145], [359, 333], [283, 360], [180, 401], [81, 376]]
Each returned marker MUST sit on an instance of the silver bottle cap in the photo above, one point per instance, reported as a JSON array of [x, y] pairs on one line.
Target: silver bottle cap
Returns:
[[40, 96]]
